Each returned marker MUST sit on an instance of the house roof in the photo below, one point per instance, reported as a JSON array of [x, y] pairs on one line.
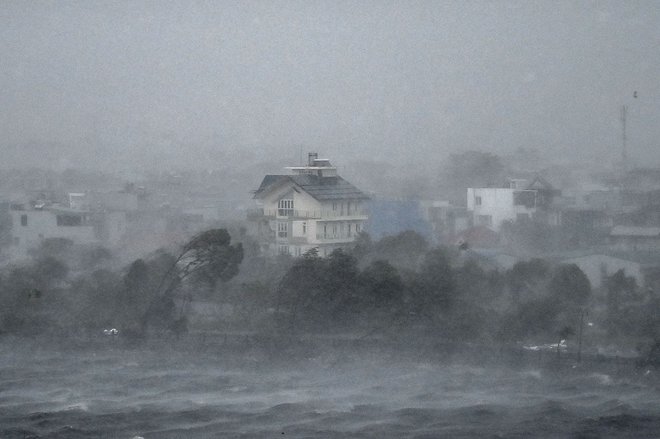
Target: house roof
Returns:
[[540, 183], [648, 258], [321, 188]]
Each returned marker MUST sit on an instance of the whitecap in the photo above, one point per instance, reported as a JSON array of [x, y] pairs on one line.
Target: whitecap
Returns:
[[532, 374], [602, 378]]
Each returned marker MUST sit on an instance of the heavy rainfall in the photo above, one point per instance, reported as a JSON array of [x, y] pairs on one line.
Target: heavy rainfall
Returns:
[[329, 219]]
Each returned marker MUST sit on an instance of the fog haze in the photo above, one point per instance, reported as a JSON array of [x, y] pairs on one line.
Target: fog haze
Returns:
[[161, 84]]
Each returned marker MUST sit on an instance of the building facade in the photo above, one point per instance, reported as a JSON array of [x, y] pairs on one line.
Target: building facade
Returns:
[[312, 207], [491, 207], [31, 225], [519, 201]]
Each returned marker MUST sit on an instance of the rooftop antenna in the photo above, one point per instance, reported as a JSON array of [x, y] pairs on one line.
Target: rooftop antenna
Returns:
[[624, 138]]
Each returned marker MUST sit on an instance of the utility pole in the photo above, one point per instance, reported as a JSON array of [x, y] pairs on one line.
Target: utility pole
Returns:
[[624, 139], [579, 353]]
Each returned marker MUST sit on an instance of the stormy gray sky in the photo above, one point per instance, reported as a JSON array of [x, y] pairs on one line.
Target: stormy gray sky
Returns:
[[161, 83]]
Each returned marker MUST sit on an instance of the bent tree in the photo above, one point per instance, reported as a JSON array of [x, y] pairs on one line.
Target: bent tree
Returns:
[[208, 256]]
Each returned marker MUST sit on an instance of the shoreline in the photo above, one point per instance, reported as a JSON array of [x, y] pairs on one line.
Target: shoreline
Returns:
[[282, 348]]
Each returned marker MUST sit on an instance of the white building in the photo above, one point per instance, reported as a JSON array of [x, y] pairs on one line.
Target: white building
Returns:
[[521, 200], [490, 207], [31, 226], [313, 207], [104, 201]]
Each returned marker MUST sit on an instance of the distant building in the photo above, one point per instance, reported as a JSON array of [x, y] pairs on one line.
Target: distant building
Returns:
[[313, 207], [631, 238], [30, 226], [519, 201], [389, 217], [447, 221], [104, 201], [34, 222], [597, 267]]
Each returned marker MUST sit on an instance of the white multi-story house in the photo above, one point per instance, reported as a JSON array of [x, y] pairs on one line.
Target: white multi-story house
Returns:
[[312, 207], [31, 225], [492, 206]]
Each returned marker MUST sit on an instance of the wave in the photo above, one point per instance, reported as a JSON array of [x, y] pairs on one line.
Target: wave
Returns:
[[123, 393]]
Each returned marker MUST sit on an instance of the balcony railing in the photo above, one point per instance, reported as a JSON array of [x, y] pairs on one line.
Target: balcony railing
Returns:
[[306, 214], [338, 237]]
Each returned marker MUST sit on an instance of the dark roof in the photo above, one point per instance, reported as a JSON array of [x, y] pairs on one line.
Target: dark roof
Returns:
[[321, 188], [540, 183]]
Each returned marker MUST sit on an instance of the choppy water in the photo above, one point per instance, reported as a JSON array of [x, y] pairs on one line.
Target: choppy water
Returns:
[[113, 391]]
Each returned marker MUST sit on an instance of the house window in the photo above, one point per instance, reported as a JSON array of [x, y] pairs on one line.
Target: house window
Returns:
[[304, 228], [69, 220], [525, 198], [348, 208], [357, 228], [334, 230], [334, 206], [282, 230], [325, 230], [24, 220], [349, 229], [285, 207], [477, 201], [283, 249]]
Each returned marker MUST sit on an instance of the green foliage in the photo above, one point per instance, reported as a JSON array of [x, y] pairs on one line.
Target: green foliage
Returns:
[[396, 283], [620, 288], [95, 256], [403, 251], [94, 299], [381, 286], [53, 247], [136, 304], [569, 284], [536, 317], [28, 297], [363, 245], [566, 332], [527, 277], [472, 281], [5, 225], [49, 269], [301, 290], [208, 257], [437, 281]]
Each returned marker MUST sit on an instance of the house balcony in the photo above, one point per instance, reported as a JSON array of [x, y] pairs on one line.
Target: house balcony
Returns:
[[337, 239], [298, 240], [325, 215]]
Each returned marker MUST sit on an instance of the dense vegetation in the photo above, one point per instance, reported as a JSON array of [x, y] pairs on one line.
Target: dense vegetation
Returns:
[[399, 286]]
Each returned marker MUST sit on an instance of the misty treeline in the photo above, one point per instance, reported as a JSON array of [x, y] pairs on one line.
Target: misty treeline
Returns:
[[67, 287], [402, 285], [398, 286]]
